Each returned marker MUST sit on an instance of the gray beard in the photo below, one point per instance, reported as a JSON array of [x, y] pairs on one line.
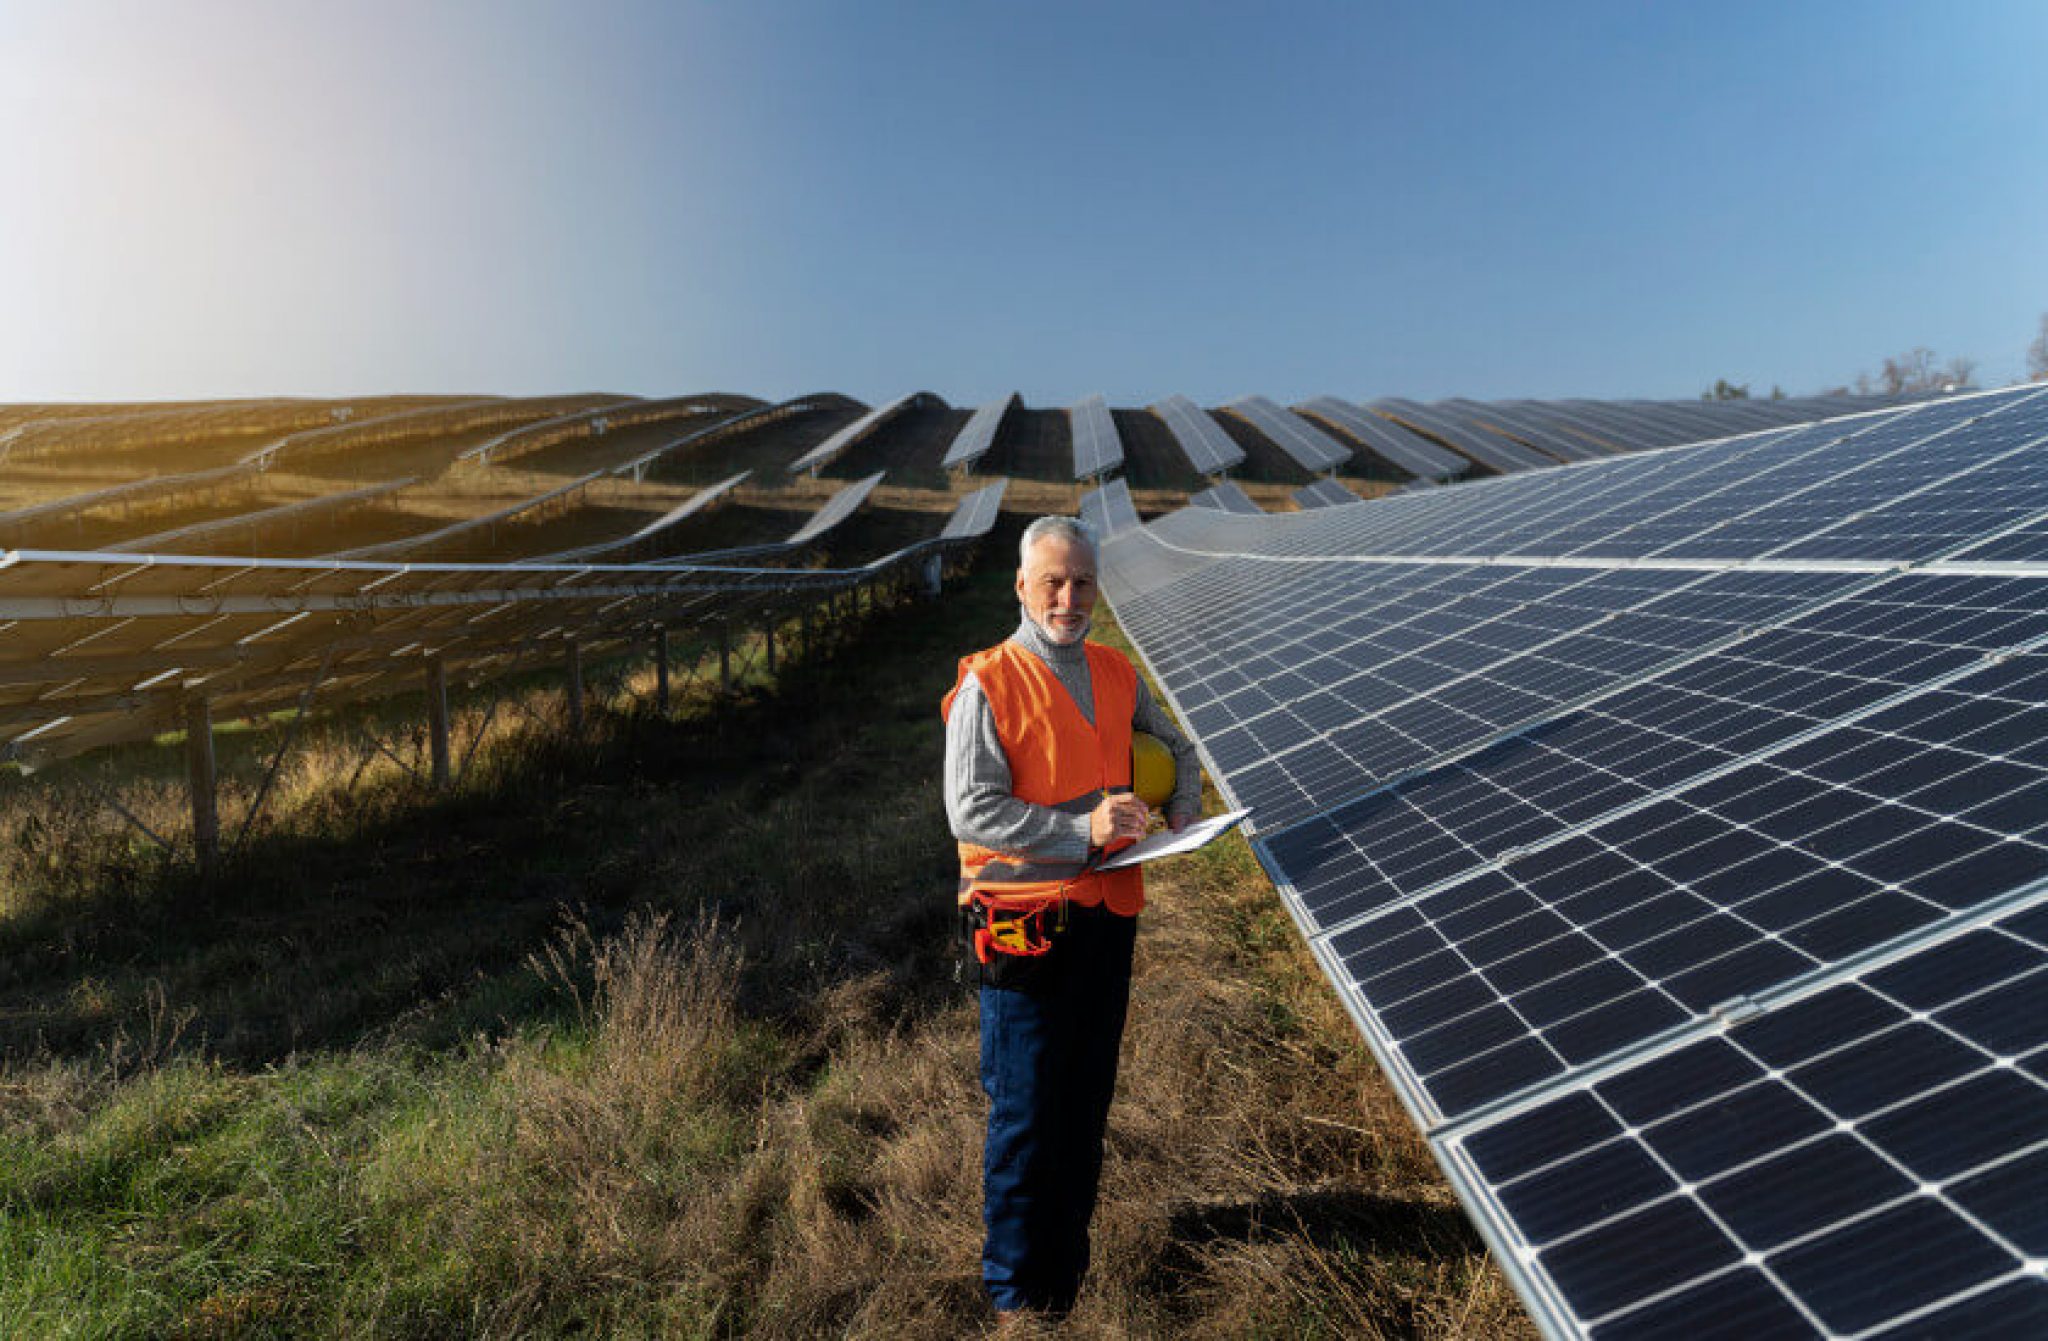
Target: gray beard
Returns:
[[1048, 634]]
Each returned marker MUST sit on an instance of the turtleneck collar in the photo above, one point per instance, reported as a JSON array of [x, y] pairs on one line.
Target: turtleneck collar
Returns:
[[1033, 639]]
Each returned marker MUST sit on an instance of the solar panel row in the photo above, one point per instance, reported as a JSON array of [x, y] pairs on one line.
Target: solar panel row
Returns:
[[616, 550], [833, 447], [1323, 494], [1209, 449], [1109, 509], [1097, 448], [975, 515], [208, 533], [978, 434], [1525, 428], [1676, 828], [603, 418], [1492, 450], [1311, 448], [103, 648], [1399, 448], [1226, 497]]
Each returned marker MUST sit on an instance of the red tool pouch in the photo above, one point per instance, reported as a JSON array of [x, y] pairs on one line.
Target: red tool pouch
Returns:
[[1015, 924]]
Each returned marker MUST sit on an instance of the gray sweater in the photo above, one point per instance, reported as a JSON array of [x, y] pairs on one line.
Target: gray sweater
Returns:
[[979, 805]]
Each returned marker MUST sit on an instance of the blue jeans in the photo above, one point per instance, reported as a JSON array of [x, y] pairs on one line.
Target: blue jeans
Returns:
[[1049, 1040]]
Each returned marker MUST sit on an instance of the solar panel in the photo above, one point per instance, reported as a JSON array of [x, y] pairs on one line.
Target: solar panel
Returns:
[[102, 648], [833, 447], [1387, 440], [420, 421], [1553, 415], [1640, 431], [1226, 497], [1313, 449], [1756, 1178], [978, 434], [837, 509], [440, 536], [603, 418], [125, 494], [1675, 827], [682, 512], [1678, 421], [1209, 449], [1097, 448], [1109, 509], [1488, 449], [1323, 494], [1523, 426], [975, 515], [197, 533]]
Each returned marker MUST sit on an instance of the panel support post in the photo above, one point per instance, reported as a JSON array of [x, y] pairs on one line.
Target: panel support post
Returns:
[[934, 575], [437, 719], [810, 635], [575, 669], [661, 669], [770, 633], [200, 778], [725, 657]]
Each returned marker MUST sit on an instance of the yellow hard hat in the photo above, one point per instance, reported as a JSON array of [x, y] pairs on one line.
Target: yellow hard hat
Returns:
[[1151, 769]]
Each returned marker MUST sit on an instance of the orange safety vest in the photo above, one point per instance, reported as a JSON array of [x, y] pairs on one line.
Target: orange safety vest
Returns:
[[1058, 760]]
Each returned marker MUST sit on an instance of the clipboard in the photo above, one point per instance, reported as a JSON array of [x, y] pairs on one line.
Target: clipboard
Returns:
[[1169, 844]]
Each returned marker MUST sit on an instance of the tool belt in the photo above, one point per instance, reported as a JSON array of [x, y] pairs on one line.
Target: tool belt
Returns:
[[1020, 922]]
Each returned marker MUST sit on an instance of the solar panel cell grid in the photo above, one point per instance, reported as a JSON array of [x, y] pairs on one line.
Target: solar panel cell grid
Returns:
[[1441, 659], [1756, 694], [1773, 508], [1790, 1157]]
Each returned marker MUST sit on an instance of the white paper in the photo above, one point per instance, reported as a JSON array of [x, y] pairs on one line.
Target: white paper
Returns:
[[1167, 843]]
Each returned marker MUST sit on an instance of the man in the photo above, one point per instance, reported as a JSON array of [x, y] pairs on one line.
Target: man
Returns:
[[1038, 771]]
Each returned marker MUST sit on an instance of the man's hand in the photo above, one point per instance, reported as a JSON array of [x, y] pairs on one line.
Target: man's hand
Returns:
[[1117, 818]]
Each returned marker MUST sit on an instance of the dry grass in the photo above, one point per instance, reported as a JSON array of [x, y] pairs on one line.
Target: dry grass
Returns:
[[385, 1086]]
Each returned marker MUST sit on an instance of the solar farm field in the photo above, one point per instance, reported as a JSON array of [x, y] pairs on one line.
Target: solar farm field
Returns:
[[473, 865]]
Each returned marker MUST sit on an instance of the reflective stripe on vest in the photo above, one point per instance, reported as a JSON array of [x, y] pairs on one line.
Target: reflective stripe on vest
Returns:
[[1057, 759]]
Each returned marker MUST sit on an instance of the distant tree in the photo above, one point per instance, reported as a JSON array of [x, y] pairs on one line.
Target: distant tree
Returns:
[[1916, 373], [1910, 371], [1723, 389], [1777, 392], [2037, 353]]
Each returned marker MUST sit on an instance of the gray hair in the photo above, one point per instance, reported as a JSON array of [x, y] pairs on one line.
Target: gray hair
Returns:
[[1070, 529]]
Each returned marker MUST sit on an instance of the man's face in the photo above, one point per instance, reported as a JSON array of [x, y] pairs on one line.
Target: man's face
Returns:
[[1057, 586]]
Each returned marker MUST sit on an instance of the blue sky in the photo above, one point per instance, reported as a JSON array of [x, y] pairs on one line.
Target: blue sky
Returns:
[[235, 197]]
